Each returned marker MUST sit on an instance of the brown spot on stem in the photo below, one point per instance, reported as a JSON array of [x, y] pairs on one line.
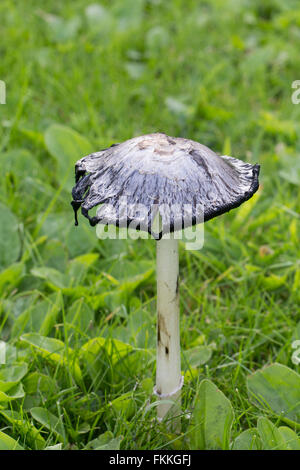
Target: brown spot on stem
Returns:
[[167, 350], [177, 285], [161, 326]]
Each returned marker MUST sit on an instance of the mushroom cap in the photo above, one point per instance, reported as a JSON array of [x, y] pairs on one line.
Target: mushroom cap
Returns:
[[184, 180]]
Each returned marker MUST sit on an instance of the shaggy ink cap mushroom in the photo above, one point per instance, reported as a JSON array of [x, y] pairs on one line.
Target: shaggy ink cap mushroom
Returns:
[[162, 174], [152, 175]]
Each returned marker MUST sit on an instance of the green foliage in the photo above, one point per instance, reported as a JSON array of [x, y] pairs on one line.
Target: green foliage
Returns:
[[49, 421], [8, 443], [197, 356], [66, 145], [247, 440], [270, 436], [10, 243], [11, 376], [267, 437], [24, 428], [212, 418], [277, 388], [54, 351], [77, 314], [105, 441]]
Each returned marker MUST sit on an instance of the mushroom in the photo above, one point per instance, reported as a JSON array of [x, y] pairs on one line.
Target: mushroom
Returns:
[[161, 184]]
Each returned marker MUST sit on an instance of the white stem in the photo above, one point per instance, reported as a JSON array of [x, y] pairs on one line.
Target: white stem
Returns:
[[168, 368]]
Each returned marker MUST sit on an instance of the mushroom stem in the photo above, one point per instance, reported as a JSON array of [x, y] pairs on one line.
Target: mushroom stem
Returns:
[[168, 368]]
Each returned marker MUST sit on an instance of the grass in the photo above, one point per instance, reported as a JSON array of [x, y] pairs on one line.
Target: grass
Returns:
[[213, 71]]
